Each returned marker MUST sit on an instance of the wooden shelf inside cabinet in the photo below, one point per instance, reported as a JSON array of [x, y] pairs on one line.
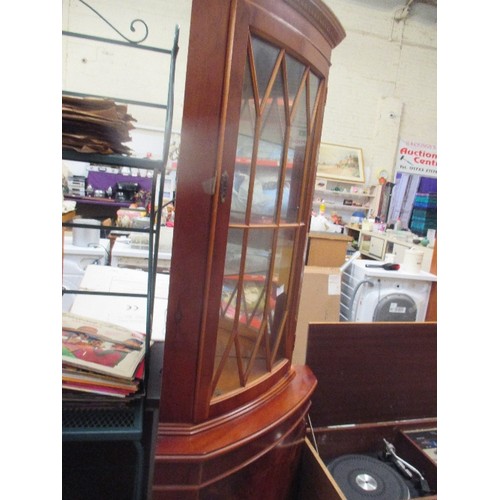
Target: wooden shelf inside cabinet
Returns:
[[261, 162]]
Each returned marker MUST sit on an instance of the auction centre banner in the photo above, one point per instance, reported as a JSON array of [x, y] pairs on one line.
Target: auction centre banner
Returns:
[[416, 158]]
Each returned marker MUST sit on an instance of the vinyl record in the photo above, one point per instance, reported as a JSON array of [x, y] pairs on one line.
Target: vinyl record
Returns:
[[362, 477]]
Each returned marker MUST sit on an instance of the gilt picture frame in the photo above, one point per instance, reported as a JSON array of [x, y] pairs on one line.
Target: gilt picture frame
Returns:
[[341, 163]]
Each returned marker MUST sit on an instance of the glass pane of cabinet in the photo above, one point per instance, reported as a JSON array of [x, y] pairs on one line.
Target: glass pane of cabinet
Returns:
[[277, 113]]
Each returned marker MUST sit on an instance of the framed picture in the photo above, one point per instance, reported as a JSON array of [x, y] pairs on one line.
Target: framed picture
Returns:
[[343, 163]]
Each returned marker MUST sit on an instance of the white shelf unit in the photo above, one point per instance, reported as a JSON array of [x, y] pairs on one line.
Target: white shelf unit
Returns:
[[344, 198]]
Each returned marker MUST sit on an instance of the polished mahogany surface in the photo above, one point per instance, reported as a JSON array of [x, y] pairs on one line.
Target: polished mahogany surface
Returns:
[[256, 447], [373, 372], [375, 381], [217, 57]]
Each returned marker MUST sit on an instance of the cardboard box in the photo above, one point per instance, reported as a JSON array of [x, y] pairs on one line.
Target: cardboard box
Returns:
[[319, 301], [327, 249]]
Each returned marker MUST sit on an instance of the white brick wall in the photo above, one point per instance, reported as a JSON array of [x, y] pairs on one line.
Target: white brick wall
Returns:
[[382, 84], [383, 80], [126, 74]]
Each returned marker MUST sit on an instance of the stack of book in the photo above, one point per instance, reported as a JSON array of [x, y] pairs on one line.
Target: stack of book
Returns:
[[95, 125], [101, 358]]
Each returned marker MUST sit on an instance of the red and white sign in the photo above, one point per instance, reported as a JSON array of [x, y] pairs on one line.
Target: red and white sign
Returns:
[[417, 158]]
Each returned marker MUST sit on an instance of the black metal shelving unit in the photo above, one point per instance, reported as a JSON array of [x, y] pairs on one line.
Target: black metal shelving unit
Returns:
[[97, 418]]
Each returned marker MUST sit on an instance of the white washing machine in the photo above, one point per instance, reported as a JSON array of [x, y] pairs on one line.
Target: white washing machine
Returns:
[[375, 294], [76, 259]]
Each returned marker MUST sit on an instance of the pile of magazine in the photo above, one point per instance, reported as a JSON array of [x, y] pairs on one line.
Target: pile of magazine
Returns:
[[101, 358]]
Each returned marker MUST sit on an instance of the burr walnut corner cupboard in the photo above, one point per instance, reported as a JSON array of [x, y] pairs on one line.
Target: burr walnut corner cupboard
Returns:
[[233, 408]]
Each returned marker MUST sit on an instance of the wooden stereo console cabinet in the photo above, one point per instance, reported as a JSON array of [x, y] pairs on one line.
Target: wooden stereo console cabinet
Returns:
[[375, 381]]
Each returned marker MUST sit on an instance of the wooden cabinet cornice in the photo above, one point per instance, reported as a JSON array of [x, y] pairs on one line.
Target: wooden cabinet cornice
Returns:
[[232, 407]]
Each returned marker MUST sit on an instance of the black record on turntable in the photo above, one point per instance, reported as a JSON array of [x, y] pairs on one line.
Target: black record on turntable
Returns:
[[361, 477]]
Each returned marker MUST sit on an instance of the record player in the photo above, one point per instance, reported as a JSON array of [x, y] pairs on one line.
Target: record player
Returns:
[[373, 417]]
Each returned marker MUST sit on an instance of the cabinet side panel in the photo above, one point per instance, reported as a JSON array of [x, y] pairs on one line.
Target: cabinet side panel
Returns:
[[196, 174]]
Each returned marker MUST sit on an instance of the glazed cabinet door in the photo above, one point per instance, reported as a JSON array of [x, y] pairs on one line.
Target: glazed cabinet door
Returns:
[[266, 200], [256, 87]]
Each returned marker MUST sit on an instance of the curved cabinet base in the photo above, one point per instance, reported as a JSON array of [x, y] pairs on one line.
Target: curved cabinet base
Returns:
[[254, 453]]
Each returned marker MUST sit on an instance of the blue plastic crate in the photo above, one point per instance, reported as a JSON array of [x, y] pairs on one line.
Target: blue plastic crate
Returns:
[[425, 200]]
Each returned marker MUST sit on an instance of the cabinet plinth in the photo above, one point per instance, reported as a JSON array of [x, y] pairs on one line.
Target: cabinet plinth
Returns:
[[230, 456]]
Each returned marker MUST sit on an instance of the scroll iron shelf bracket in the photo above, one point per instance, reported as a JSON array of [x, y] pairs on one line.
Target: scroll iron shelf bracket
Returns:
[[132, 25]]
